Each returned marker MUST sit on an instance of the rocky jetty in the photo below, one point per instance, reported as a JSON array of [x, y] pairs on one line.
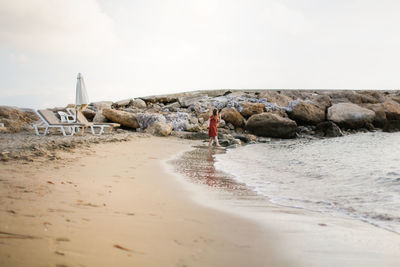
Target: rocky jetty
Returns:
[[247, 115]]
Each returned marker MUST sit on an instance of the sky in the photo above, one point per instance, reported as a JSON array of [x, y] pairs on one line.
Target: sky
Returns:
[[131, 48]]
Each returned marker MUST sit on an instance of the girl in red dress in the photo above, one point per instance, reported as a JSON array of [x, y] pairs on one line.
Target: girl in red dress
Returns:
[[212, 129]]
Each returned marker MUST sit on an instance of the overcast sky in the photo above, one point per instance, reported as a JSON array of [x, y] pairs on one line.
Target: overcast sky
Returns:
[[130, 48]]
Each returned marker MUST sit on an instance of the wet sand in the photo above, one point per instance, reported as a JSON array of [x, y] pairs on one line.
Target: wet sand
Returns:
[[115, 204]]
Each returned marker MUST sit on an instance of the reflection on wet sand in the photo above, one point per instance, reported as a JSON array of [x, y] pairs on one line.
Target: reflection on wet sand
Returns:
[[198, 166]]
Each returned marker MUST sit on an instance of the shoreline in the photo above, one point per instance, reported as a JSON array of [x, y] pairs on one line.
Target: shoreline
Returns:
[[116, 204], [317, 239]]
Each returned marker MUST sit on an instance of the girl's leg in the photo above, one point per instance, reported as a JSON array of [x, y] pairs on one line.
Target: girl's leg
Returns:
[[216, 141], [211, 141]]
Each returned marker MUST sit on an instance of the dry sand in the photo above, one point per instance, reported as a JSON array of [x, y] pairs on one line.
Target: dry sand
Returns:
[[115, 204]]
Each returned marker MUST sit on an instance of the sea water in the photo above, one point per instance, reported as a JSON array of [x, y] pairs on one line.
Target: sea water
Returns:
[[354, 176]]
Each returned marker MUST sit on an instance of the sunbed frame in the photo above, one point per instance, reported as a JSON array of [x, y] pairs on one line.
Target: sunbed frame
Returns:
[[80, 118], [49, 120]]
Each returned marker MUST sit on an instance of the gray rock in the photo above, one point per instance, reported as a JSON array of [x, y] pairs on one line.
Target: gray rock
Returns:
[[165, 99], [187, 101], [178, 120], [350, 115], [99, 117], [275, 97], [173, 107], [220, 102], [392, 110], [101, 104], [321, 101], [392, 126], [193, 128], [237, 142], [271, 125], [328, 129], [159, 128], [89, 114], [145, 120], [380, 114], [123, 103], [138, 103], [225, 142], [263, 140], [193, 120]]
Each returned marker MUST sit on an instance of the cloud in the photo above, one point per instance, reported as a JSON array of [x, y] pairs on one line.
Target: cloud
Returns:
[[57, 26], [20, 59]]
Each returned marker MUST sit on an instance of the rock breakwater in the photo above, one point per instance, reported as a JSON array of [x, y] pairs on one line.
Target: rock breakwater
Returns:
[[264, 113], [248, 115]]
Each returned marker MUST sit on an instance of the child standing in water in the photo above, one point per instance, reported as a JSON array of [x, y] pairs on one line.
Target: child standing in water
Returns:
[[212, 129]]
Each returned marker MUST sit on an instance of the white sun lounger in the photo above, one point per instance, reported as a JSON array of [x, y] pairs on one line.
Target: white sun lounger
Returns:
[[49, 120], [80, 118]]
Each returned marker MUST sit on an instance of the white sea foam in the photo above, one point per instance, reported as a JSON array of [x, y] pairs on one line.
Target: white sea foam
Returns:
[[357, 175]]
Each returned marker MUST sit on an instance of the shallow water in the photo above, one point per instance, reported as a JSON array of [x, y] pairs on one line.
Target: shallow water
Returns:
[[356, 175]]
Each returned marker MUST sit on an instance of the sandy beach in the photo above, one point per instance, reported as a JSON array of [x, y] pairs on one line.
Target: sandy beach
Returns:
[[115, 204], [107, 110]]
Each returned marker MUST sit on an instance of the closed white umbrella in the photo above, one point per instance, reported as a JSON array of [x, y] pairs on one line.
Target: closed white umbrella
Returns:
[[81, 99]]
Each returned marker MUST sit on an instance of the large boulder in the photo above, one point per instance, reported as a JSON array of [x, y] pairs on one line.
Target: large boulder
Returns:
[[344, 96], [138, 103], [395, 98], [328, 129], [271, 125], [392, 110], [16, 120], [101, 105], [380, 114], [307, 113], [179, 120], [165, 99], [231, 115], [350, 115], [126, 119], [187, 101], [249, 109], [372, 97], [356, 97], [275, 97], [220, 102], [123, 103], [160, 128], [392, 126], [173, 107], [89, 114], [205, 116], [145, 120], [321, 101], [99, 117]]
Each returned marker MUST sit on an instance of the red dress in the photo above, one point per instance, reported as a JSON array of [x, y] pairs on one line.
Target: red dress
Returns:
[[212, 129]]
